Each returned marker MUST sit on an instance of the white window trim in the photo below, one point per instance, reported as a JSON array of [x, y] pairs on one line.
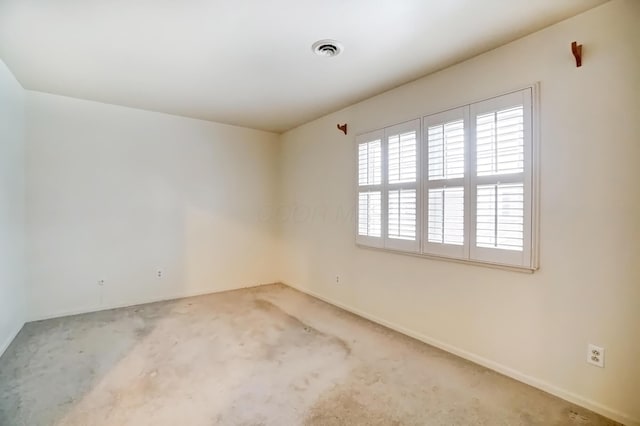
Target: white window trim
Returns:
[[525, 261]]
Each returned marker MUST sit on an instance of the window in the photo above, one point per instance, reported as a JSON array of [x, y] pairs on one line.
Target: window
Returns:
[[457, 184], [388, 176]]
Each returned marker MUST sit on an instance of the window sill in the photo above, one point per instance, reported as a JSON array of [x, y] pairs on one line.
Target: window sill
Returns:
[[521, 269]]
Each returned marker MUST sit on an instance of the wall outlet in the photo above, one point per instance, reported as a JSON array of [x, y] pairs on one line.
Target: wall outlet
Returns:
[[101, 283], [160, 273], [595, 355], [337, 279]]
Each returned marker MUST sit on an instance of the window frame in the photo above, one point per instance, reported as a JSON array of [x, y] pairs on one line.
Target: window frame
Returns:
[[525, 260]]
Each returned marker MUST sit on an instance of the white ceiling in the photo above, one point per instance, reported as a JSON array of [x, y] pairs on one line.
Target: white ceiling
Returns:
[[249, 62]]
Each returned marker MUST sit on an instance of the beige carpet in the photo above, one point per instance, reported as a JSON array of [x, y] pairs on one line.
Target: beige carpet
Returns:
[[263, 356]]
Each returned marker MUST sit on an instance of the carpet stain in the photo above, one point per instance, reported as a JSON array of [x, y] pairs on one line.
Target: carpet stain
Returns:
[[262, 356], [296, 323], [577, 418], [334, 408]]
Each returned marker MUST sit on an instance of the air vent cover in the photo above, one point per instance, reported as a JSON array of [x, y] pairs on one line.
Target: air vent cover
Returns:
[[328, 48]]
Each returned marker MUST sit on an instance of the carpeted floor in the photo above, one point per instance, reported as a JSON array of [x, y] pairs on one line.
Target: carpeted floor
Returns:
[[262, 356]]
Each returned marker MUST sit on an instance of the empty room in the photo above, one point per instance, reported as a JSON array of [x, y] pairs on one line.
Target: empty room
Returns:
[[340, 212]]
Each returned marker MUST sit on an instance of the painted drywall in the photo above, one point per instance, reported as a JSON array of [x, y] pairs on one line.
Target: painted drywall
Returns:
[[115, 194], [12, 303], [535, 327]]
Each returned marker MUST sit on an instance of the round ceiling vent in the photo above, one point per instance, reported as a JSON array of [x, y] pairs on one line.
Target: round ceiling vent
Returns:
[[328, 48]]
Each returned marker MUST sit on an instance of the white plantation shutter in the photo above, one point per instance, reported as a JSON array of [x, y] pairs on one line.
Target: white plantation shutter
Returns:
[[444, 183], [402, 214], [500, 216], [446, 216], [403, 157], [501, 180], [500, 142], [370, 214], [457, 184], [370, 165], [446, 150], [402, 142]]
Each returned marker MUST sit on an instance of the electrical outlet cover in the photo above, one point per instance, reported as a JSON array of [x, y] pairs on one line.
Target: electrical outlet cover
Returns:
[[595, 355]]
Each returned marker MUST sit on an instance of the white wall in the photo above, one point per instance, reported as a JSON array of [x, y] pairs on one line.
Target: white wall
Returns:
[[115, 193], [531, 326], [12, 303]]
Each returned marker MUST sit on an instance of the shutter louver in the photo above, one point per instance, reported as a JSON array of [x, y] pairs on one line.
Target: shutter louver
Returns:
[[446, 216], [370, 191], [403, 157], [402, 214], [500, 142], [500, 216], [446, 150], [369, 214], [370, 163]]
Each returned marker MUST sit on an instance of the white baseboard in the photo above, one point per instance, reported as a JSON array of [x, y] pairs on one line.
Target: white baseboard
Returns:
[[4, 345], [492, 365], [89, 309]]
